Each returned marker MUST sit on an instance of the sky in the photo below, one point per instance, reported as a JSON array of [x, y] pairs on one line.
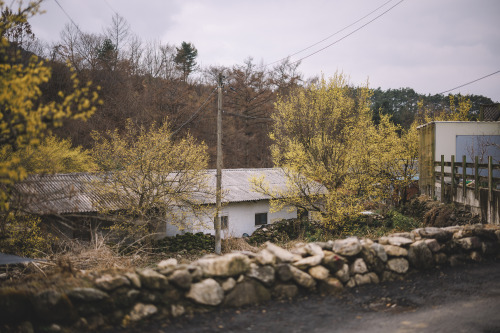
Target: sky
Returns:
[[431, 46]]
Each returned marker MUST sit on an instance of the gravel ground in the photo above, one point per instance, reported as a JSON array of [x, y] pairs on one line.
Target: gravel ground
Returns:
[[454, 299]]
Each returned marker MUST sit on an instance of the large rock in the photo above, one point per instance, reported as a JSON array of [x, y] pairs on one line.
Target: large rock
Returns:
[[151, 279], [362, 279], [347, 247], [265, 257], [490, 248], [90, 301], [303, 279], [309, 261], [229, 284], [134, 279], [330, 285], [420, 256], [281, 254], [396, 240], [380, 251], [142, 311], [343, 273], [325, 245], [167, 263], [51, 306], [283, 272], [333, 261], [469, 243], [433, 245], [109, 282], [358, 267], [398, 265], [395, 251], [181, 278], [371, 258], [264, 274], [285, 291], [87, 294], [231, 264], [247, 292], [440, 234], [314, 249], [319, 272], [206, 292]]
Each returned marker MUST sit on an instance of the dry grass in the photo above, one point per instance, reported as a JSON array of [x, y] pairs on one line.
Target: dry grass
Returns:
[[236, 244]]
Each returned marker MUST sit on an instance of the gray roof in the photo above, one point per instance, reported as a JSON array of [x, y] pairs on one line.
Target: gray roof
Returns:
[[72, 193]]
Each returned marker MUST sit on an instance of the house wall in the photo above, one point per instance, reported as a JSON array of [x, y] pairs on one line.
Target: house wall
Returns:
[[440, 138], [446, 135], [241, 219]]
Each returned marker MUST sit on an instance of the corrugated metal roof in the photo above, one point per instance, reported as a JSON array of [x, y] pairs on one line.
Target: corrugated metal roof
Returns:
[[73, 193]]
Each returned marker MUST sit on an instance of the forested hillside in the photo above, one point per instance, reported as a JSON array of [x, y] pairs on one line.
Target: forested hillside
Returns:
[[150, 81]]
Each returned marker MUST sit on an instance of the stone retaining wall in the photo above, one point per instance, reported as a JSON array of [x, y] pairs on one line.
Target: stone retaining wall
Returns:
[[98, 299]]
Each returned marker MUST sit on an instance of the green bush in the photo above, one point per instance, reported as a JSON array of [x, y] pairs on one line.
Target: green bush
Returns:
[[22, 235], [399, 222], [189, 242]]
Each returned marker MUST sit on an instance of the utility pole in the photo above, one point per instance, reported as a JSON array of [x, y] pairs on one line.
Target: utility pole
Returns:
[[218, 192]]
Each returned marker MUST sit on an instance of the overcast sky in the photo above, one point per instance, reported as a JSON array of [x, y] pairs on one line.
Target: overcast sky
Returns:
[[428, 45]]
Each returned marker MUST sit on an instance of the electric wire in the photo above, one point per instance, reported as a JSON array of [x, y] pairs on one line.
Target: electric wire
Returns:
[[112, 9], [349, 34], [248, 117], [194, 114], [466, 84], [68, 16], [328, 37]]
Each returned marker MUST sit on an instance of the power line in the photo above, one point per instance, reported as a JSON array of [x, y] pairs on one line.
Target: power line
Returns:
[[247, 117], [330, 36], [466, 84], [67, 15], [349, 34], [112, 9], [194, 114]]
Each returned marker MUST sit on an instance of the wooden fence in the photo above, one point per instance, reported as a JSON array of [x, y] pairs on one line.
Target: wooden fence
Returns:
[[463, 177]]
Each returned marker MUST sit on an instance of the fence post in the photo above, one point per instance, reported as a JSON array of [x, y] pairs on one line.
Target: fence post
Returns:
[[452, 175], [490, 178], [476, 175], [464, 175], [442, 178]]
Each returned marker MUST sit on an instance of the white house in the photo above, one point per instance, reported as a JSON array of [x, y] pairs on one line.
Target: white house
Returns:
[[244, 210], [70, 200]]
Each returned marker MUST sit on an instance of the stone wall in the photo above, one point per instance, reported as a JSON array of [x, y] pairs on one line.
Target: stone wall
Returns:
[[95, 300]]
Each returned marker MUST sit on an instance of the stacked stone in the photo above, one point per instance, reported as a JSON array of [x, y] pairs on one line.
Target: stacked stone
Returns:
[[236, 279]]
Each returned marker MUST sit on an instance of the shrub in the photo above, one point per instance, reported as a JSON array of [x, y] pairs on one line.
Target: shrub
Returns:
[[23, 236]]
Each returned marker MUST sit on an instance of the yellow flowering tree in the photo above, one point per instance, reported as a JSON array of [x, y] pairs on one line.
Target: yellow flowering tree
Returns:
[[24, 118], [150, 179], [54, 155], [325, 134], [397, 154], [459, 110]]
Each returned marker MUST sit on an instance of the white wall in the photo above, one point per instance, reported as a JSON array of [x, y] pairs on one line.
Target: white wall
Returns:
[[241, 219], [446, 134]]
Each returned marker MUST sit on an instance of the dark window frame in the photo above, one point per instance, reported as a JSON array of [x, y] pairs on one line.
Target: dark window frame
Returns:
[[224, 222], [261, 217]]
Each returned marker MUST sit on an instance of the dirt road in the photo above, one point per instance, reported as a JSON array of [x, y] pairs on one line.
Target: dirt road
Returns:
[[455, 299]]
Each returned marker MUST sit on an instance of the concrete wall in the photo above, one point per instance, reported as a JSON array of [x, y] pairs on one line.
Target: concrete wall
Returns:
[[241, 219], [479, 204]]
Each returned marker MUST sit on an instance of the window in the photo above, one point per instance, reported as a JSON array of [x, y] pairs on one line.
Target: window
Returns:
[[224, 222], [260, 218]]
